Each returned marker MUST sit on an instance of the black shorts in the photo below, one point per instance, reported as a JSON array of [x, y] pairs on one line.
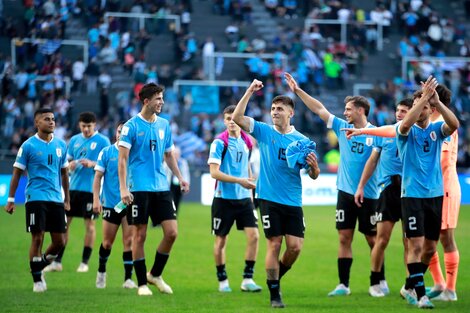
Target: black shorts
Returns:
[[45, 216], [110, 215], [347, 213], [158, 206], [225, 212], [280, 219], [389, 208], [422, 217], [81, 205]]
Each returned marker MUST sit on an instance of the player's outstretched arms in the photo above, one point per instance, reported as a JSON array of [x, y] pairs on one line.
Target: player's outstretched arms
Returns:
[[238, 115], [313, 104], [382, 131]]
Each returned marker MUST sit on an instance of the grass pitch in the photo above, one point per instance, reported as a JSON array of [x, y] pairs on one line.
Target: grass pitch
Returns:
[[191, 272]]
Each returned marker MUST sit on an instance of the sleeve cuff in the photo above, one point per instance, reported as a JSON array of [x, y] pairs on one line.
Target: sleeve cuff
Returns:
[[214, 161], [125, 144], [330, 121], [99, 168], [19, 165]]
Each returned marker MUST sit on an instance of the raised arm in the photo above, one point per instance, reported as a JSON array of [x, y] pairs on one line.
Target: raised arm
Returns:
[[238, 115], [451, 121], [313, 104], [369, 169], [412, 116], [382, 131]]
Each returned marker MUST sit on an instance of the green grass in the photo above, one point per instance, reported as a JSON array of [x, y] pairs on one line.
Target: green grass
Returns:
[[191, 272]]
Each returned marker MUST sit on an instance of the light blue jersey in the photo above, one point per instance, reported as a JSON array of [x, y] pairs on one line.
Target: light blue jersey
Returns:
[[43, 162], [147, 143], [81, 178], [108, 165], [354, 154], [420, 152], [277, 182], [389, 161], [234, 163]]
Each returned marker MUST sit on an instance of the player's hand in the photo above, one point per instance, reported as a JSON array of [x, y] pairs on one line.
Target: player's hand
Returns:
[[67, 205], [359, 197], [312, 162], [72, 165], [87, 163], [247, 183], [291, 82], [97, 207], [256, 85], [184, 185], [126, 197], [10, 207], [351, 132], [429, 87]]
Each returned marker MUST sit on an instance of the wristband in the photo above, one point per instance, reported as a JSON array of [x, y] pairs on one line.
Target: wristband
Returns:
[[11, 199]]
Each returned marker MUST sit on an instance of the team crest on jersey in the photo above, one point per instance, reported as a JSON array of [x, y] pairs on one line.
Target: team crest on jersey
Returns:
[[369, 141], [58, 152], [433, 136], [93, 145], [161, 133]]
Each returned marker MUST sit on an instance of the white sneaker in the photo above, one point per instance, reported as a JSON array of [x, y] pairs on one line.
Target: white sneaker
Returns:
[[250, 285], [144, 290], [375, 291], [82, 268], [446, 295], [43, 280], [160, 283], [425, 303], [129, 284], [100, 280], [340, 290], [53, 267], [39, 287], [409, 295], [384, 287]]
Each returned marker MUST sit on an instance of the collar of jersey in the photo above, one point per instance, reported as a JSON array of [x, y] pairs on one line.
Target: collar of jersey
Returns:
[[37, 136]]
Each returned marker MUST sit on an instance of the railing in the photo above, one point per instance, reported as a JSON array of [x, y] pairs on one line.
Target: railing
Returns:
[[447, 63], [143, 16], [344, 28], [239, 55], [65, 42], [222, 83], [358, 87]]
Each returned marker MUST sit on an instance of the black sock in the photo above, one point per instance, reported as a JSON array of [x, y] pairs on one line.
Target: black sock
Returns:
[[417, 278], [283, 269], [344, 268], [44, 261], [274, 287], [58, 259], [374, 278], [424, 267], [140, 271], [382, 271], [408, 284], [103, 258], [249, 269], [86, 254], [128, 264], [35, 266], [159, 264], [221, 273]]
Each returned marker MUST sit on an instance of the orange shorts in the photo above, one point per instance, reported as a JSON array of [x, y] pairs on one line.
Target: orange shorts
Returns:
[[450, 209]]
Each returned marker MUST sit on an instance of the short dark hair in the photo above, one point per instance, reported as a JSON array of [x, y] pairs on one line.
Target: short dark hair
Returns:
[[408, 102], [149, 90], [284, 100], [230, 109], [444, 93], [119, 123], [42, 111], [417, 94], [359, 102], [87, 117]]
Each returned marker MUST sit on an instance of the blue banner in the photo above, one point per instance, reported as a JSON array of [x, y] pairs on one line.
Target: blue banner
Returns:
[[205, 99], [5, 187]]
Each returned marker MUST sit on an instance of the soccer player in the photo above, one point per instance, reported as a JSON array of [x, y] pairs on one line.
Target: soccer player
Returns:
[[44, 157], [444, 289], [106, 168], [385, 160], [354, 154], [419, 143], [82, 153], [279, 188], [229, 165], [145, 143]]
